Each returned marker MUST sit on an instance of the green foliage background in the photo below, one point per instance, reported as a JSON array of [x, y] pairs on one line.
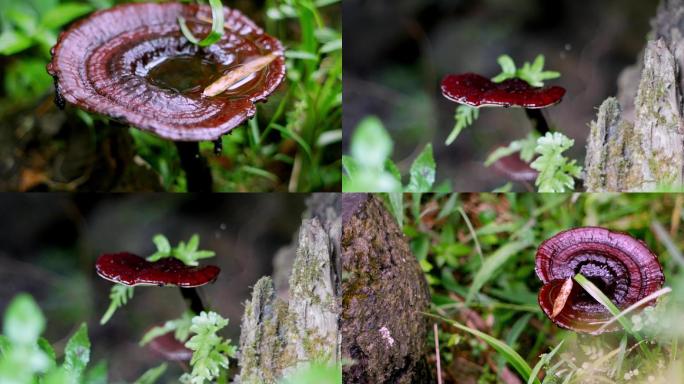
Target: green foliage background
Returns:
[[477, 252]]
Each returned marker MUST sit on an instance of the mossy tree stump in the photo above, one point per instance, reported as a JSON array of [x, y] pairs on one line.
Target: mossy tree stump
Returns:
[[279, 336], [384, 331], [637, 141]]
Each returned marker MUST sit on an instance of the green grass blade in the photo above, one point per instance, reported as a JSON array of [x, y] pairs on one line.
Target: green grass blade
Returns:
[[513, 358], [543, 361], [599, 296], [493, 263]]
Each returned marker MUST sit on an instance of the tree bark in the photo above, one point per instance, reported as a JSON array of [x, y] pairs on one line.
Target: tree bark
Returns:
[[637, 141], [384, 331], [279, 336]]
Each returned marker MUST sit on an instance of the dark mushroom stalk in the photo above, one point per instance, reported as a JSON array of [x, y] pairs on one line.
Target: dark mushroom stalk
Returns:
[[132, 270], [132, 63], [621, 266], [478, 91]]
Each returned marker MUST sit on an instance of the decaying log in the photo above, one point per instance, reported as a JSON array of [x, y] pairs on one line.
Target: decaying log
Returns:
[[383, 330], [637, 143], [279, 336]]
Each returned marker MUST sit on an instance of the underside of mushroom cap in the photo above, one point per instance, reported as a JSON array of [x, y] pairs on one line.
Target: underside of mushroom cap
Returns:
[[478, 91], [618, 264], [129, 269], [170, 348], [104, 64], [514, 168]]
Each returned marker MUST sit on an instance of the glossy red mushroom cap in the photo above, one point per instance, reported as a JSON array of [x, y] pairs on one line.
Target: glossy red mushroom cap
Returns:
[[129, 269], [132, 63], [477, 91], [618, 264]]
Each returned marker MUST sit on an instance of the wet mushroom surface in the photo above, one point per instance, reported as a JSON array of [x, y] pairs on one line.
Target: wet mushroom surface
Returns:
[[622, 267], [132, 63], [477, 91], [129, 269]]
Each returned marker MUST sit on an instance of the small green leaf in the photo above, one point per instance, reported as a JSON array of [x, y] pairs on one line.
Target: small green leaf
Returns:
[[396, 200], [45, 346], [465, 116], [77, 352], [162, 243], [393, 170], [422, 172], [118, 296], [24, 321], [152, 375], [371, 144], [193, 243], [97, 374], [525, 147], [350, 166]]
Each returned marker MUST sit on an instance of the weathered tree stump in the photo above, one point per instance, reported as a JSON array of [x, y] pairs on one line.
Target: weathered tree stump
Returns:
[[278, 336], [383, 330], [637, 141]]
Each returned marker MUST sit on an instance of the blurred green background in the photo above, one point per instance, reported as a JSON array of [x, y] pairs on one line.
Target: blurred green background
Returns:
[[49, 244], [397, 52]]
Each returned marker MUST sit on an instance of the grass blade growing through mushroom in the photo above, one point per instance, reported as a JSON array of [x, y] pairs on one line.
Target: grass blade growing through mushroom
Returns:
[[216, 26]]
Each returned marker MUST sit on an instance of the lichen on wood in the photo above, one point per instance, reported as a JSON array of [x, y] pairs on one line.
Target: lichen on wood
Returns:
[[279, 336], [647, 153], [384, 297]]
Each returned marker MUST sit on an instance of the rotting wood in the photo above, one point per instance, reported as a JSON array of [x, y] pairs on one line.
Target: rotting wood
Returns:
[[384, 297], [637, 144], [279, 336]]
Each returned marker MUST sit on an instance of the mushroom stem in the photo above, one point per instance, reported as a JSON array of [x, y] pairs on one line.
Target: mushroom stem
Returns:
[[193, 300], [218, 146], [538, 120], [197, 171]]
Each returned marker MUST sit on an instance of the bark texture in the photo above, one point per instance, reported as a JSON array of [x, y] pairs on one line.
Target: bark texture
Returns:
[[384, 293], [280, 335], [637, 141]]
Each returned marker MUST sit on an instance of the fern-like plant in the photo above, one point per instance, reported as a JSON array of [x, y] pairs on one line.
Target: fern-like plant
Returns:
[[211, 352], [556, 172]]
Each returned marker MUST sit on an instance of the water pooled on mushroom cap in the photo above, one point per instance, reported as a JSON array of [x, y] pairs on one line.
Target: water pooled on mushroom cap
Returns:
[[132, 63], [621, 266], [476, 90]]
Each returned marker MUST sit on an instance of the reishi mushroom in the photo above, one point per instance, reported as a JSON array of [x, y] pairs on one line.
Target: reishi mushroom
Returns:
[[132, 63], [132, 270], [514, 168], [478, 91], [620, 265], [170, 348]]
